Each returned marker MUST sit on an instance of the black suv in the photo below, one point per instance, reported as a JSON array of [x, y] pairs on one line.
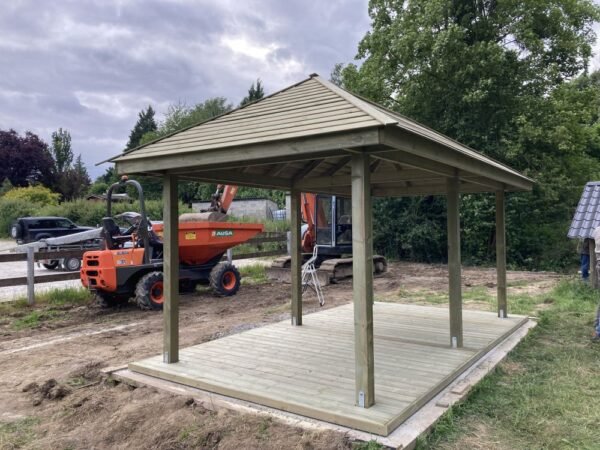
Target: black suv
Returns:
[[31, 229]]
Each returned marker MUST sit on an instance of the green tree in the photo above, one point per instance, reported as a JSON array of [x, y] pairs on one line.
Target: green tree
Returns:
[[180, 116], [256, 92], [145, 124], [500, 77], [25, 159], [61, 150]]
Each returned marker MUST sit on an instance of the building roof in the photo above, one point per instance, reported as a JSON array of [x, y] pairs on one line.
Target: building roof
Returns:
[[309, 129], [587, 214]]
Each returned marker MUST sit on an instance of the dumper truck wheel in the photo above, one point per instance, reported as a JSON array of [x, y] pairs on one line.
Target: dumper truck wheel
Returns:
[[108, 299], [149, 292], [225, 279]]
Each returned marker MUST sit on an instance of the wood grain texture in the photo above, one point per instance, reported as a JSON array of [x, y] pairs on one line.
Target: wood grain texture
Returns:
[[296, 254], [309, 370], [171, 270], [501, 253], [362, 280], [454, 262]]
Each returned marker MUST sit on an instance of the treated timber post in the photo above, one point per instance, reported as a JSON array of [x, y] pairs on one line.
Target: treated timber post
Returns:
[[296, 254], [593, 261], [171, 270], [501, 254], [362, 281], [454, 269]]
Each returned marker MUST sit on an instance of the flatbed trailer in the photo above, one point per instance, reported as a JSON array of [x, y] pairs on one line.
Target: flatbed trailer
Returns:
[[86, 240]]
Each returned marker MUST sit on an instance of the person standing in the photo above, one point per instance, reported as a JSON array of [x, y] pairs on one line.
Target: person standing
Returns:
[[584, 253]]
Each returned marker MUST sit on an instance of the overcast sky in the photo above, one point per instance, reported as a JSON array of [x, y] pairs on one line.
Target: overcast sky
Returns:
[[90, 65]]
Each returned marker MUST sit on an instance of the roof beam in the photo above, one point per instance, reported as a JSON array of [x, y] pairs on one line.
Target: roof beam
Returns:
[[322, 146], [424, 190], [338, 166], [418, 162], [375, 165], [306, 170], [381, 177], [437, 153], [238, 178]]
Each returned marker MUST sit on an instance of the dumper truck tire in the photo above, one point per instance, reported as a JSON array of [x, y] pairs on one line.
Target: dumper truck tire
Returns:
[[225, 279], [108, 299], [149, 291]]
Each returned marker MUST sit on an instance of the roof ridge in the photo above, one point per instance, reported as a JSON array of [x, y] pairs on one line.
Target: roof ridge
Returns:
[[357, 101]]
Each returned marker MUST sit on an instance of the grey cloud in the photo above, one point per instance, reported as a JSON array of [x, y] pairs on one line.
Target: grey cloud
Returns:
[[91, 66]]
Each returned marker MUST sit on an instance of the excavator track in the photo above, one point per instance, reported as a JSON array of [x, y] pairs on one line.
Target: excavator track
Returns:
[[329, 271]]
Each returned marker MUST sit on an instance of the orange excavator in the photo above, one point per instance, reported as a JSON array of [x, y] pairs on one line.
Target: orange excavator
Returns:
[[131, 261], [327, 225]]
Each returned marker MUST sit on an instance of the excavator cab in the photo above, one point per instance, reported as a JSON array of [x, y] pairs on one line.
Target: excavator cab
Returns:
[[333, 225]]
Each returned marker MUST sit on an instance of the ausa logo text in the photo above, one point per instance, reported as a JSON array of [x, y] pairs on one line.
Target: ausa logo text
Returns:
[[222, 233]]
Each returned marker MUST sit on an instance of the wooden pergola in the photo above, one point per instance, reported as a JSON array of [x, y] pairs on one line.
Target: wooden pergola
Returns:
[[316, 137]]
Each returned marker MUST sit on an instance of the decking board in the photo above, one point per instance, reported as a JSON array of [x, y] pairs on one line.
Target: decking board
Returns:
[[309, 370]]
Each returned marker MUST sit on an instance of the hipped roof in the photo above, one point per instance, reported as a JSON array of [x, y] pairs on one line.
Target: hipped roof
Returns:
[[309, 131]]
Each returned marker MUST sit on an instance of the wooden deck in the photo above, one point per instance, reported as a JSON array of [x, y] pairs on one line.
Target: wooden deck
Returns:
[[309, 370]]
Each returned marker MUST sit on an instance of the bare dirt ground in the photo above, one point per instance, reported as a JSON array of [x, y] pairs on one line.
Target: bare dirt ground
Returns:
[[52, 394]]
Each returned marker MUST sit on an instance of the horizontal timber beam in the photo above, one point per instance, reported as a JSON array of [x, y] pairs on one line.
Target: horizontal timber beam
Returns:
[[381, 177], [268, 152], [422, 190], [395, 177], [243, 179], [438, 153]]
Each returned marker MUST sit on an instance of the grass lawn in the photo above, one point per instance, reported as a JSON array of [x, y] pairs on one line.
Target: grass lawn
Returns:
[[546, 394], [49, 306]]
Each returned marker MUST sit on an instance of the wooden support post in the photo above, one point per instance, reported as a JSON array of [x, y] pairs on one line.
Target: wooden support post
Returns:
[[296, 254], [30, 276], [171, 270], [362, 281], [454, 264], [501, 254], [593, 262]]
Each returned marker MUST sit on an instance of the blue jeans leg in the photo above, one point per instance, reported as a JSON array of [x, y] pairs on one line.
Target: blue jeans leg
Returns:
[[585, 266]]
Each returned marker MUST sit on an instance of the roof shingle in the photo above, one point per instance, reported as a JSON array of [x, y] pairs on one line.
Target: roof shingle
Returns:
[[587, 214]]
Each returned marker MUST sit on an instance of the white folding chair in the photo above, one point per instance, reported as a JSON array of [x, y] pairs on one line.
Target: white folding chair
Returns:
[[310, 278]]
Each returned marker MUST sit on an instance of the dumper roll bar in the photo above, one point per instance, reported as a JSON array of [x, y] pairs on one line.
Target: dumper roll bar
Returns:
[[143, 225]]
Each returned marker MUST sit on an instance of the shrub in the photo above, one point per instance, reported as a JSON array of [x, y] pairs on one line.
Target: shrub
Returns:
[[11, 210], [84, 212], [38, 195]]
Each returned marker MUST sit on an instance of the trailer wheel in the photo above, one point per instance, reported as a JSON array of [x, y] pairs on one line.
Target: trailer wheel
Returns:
[[52, 265], [72, 264], [225, 279], [149, 291]]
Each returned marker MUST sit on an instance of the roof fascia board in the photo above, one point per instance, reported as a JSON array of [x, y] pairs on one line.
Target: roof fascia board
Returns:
[[436, 152], [322, 146]]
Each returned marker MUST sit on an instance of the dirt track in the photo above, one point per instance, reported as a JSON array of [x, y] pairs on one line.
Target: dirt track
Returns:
[[91, 413]]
